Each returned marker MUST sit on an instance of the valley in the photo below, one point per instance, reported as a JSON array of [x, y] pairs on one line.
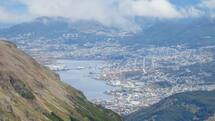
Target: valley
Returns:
[[129, 78], [116, 74], [107, 60]]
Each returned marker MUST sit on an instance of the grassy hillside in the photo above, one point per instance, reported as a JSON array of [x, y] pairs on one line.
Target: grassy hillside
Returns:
[[190, 106], [31, 92]]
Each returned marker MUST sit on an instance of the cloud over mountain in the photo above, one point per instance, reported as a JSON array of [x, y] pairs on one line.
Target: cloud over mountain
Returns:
[[115, 13]]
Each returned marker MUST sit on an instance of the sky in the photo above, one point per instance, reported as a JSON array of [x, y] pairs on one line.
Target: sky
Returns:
[[108, 12]]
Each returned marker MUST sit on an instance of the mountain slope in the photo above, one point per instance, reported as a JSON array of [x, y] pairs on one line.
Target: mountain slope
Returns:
[[31, 92], [190, 106], [191, 32], [53, 27], [199, 31]]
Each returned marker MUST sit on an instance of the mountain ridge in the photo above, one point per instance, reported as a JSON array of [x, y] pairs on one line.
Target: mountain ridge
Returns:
[[31, 92]]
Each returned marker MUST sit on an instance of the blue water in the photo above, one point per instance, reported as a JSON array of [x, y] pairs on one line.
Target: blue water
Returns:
[[82, 80]]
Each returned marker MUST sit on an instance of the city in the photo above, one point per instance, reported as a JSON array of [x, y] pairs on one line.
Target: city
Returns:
[[107, 60], [140, 77]]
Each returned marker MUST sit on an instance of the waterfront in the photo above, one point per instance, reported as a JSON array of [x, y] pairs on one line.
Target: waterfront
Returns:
[[131, 84], [81, 74]]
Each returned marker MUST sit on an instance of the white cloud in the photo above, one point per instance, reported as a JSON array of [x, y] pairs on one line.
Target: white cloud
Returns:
[[7, 17], [191, 11], [151, 8], [11, 17], [116, 13], [209, 3], [102, 11]]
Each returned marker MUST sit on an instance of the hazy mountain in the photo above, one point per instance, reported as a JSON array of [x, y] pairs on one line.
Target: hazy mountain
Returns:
[[193, 32], [190, 31], [53, 27], [31, 92], [190, 106]]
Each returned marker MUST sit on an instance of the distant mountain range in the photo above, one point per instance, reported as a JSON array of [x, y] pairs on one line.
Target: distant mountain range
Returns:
[[193, 32], [53, 27]]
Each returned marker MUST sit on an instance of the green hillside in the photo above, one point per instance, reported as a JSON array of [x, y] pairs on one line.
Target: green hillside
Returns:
[[190, 106], [31, 92]]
